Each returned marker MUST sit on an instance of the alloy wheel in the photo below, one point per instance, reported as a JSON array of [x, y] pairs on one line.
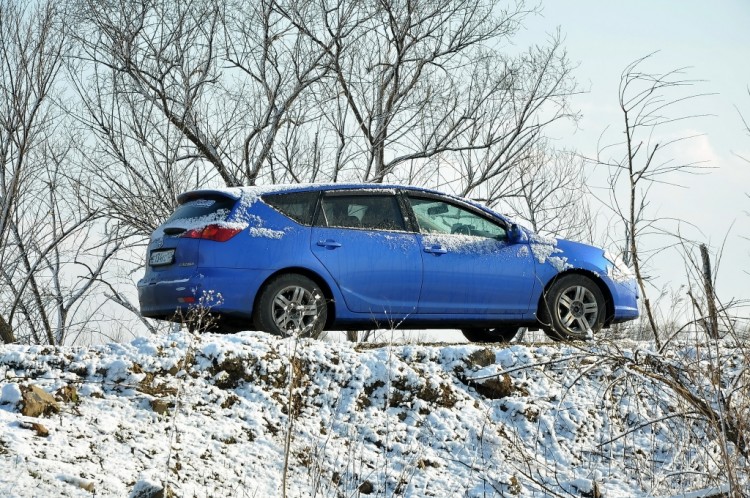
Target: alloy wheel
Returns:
[[578, 310], [295, 310]]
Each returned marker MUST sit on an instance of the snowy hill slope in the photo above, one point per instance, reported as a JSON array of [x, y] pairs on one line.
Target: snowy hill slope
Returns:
[[208, 415]]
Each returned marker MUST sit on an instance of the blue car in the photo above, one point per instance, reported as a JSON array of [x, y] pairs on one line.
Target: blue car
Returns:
[[306, 258]]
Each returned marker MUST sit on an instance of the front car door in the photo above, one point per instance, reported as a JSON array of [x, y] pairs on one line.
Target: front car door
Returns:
[[469, 267], [362, 240]]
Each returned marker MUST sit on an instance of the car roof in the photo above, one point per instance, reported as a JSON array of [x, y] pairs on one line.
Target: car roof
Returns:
[[255, 191]]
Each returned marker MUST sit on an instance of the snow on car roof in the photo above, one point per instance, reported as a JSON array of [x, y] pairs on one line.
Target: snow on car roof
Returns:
[[258, 190], [251, 193]]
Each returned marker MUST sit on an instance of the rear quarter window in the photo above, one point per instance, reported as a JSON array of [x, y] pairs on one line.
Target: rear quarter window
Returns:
[[371, 212], [298, 206]]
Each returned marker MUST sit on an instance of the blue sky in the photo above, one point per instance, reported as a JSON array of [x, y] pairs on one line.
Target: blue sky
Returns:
[[711, 39]]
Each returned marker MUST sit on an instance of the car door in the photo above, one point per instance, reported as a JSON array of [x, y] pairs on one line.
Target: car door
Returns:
[[361, 239], [468, 264]]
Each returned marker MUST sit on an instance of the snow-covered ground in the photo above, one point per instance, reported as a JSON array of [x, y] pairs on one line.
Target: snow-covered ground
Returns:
[[209, 416]]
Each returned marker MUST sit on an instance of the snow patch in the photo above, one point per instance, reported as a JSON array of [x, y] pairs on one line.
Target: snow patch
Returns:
[[218, 217], [466, 244], [426, 420], [255, 222], [618, 271], [11, 395], [265, 232], [543, 249]]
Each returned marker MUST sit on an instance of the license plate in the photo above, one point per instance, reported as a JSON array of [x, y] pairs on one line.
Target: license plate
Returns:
[[161, 257]]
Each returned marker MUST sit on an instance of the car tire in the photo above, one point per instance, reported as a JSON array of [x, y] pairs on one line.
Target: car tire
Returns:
[[291, 305], [573, 308], [497, 334]]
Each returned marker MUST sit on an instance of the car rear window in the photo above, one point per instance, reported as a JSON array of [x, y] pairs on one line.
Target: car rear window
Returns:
[[213, 208], [299, 206]]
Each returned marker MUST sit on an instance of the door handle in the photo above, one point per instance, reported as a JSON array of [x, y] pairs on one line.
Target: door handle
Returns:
[[436, 249], [329, 244]]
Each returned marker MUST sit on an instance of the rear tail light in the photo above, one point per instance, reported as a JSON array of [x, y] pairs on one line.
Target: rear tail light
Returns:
[[216, 233]]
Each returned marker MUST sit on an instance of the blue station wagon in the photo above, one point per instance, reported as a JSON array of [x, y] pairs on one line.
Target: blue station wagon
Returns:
[[306, 258]]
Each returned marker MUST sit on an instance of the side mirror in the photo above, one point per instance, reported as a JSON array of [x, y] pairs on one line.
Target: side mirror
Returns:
[[515, 234]]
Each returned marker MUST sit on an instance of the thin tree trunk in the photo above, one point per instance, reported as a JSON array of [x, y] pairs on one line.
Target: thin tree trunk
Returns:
[[6, 332], [708, 285]]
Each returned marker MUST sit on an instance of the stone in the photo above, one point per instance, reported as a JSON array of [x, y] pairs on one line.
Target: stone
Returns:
[[37, 402]]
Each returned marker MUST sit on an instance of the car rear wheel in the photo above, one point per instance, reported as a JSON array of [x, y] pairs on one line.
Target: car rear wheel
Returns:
[[575, 308], [291, 305], [497, 334]]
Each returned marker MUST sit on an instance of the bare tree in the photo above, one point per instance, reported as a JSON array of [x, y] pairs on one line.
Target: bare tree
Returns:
[[52, 253], [218, 80], [533, 92], [31, 57], [548, 192], [648, 103], [427, 84], [299, 90]]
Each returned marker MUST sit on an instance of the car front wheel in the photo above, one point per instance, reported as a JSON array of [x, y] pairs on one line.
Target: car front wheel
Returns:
[[575, 308], [497, 334], [291, 305]]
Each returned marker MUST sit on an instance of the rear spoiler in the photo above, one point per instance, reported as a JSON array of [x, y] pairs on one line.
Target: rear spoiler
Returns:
[[230, 193]]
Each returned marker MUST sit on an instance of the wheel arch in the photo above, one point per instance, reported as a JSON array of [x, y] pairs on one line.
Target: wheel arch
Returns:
[[312, 275], [606, 292]]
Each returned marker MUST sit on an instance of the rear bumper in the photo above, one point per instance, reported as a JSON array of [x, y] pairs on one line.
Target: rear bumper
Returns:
[[225, 291]]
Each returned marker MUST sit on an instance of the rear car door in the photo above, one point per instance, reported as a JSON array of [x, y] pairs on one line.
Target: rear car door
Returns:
[[361, 239], [469, 265]]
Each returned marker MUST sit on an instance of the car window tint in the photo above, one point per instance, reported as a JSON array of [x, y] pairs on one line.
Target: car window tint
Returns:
[[435, 216], [213, 208], [299, 206], [374, 212]]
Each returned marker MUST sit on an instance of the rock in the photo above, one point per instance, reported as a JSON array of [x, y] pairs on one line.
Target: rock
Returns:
[[496, 387], [481, 358], [84, 484], [67, 394], [160, 406], [366, 488], [146, 488], [37, 402], [40, 430]]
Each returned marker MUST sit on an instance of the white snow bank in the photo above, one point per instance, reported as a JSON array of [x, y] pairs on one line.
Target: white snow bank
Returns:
[[209, 415]]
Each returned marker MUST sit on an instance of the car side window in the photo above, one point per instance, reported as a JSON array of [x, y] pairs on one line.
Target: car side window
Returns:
[[299, 206], [439, 217], [372, 212]]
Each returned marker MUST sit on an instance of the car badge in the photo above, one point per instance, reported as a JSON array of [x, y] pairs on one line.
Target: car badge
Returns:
[[158, 243]]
